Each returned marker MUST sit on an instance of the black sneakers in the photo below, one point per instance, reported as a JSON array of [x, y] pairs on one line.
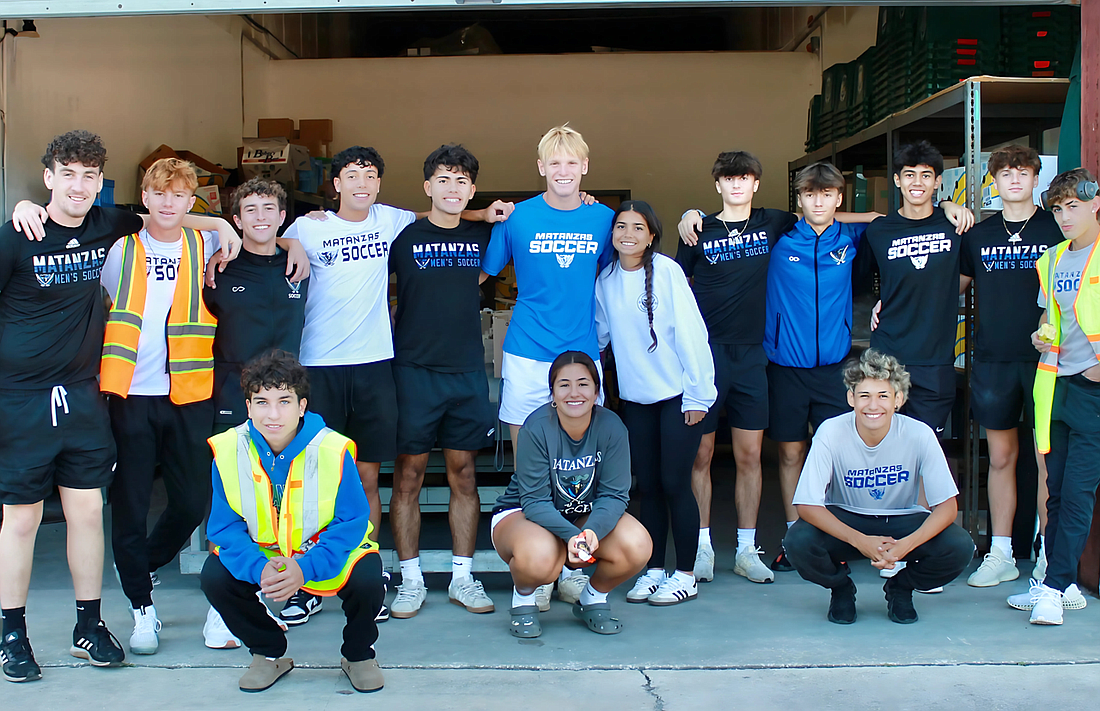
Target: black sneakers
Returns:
[[899, 602], [842, 606], [98, 646], [18, 659], [781, 564], [300, 607], [384, 612]]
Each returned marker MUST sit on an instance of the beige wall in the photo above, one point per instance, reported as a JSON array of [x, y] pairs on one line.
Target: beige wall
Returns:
[[655, 122], [137, 82], [847, 32]]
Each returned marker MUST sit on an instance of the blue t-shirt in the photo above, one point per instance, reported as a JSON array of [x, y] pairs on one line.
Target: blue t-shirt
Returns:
[[557, 255]]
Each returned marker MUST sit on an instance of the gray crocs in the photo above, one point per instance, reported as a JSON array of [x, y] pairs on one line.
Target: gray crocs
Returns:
[[525, 621], [598, 617]]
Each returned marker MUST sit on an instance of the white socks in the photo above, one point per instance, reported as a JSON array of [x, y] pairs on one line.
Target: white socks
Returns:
[[1004, 543], [410, 571], [567, 572], [704, 536], [1042, 546], [686, 578], [591, 595], [461, 567], [521, 600], [746, 538]]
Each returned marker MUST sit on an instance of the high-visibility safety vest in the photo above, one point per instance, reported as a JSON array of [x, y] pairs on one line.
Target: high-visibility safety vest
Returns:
[[1086, 307], [190, 328], [309, 497]]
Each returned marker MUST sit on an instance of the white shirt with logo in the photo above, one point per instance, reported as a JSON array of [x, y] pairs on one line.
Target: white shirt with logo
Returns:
[[162, 261], [347, 310]]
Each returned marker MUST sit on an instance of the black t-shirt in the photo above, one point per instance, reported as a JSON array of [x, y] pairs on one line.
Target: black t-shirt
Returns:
[[51, 304], [729, 273], [1001, 257], [918, 262], [258, 309], [438, 321]]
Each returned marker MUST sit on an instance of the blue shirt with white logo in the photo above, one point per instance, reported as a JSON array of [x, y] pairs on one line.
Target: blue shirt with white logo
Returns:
[[809, 296], [557, 255]]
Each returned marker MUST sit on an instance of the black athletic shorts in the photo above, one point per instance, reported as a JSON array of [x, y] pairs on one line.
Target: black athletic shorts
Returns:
[[741, 376], [931, 394], [1000, 392], [449, 410], [54, 437], [359, 402], [801, 398]]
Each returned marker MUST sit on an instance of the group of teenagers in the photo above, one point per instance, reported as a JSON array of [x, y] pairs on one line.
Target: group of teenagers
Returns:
[[280, 354]]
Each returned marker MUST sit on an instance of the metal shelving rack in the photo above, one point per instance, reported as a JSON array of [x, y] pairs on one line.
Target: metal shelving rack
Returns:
[[960, 120]]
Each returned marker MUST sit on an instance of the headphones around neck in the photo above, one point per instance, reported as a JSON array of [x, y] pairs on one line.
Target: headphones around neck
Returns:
[[1086, 190]]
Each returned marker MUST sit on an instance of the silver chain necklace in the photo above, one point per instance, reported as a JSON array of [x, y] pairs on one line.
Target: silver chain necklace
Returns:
[[734, 231], [1014, 237]]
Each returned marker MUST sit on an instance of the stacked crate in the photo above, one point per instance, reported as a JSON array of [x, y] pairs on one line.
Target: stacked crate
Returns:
[[813, 128], [1039, 41], [861, 92], [953, 44], [895, 47]]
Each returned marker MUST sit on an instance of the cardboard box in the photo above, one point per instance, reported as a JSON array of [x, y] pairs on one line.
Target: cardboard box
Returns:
[[501, 319], [207, 200], [316, 130], [274, 159], [208, 173], [878, 193], [275, 128]]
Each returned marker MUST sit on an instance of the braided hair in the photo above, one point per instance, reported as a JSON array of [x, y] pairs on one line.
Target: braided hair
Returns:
[[643, 208]]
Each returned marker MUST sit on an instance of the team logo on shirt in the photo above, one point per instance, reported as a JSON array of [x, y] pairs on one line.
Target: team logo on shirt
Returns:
[[44, 280], [295, 289], [919, 262], [423, 263], [574, 481], [918, 248], [652, 300], [328, 257], [1012, 256], [750, 244], [68, 267], [840, 255], [563, 243], [876, 478], [877, 494], [564, 260], [446, 254]]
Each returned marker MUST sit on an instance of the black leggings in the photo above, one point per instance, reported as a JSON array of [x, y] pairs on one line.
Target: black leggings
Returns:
[[662, 451]]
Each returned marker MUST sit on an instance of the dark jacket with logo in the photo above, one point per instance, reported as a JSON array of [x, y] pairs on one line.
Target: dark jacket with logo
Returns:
[[258, 309]]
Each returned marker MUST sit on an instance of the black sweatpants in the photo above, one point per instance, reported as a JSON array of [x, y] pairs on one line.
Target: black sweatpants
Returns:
[[662, 451], [1073, 473], [819, 558], [151, 431], [241, 606]]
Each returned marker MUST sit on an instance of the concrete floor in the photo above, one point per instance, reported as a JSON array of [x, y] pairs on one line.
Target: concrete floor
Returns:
[[768, 646]]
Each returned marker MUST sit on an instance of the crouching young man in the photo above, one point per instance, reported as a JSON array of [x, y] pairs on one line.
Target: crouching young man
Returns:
[[857, 496], [289, 513]]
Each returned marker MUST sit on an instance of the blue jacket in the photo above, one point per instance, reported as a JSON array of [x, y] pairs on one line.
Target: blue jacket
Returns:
[[243, 558], [809, 297]]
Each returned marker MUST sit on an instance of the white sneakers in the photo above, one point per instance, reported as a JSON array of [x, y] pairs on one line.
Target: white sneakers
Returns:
[[891, 572], [214, 633], [145, 640], [1040, 570], [1072, 598], [469, 593], [647, 584], [410, 597], [1048, 605], [542, 596], [704, 563], [995, 569], [748, 564], [673, 590], [569, 590]]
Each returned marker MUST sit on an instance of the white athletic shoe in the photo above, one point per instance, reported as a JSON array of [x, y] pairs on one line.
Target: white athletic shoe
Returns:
[[542, 596], [704, 563], [144, 640], [647, 585], [673, 591], [410, 597], [1072, 598], [994, 570], [215, 633], [891, 572], [569, 590], [470, 593], [748, 563], [1040, 570], [1048, 606]]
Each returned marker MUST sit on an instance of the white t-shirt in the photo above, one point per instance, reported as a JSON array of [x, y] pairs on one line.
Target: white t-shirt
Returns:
[[347, 310], [162, 260], [882, 480]]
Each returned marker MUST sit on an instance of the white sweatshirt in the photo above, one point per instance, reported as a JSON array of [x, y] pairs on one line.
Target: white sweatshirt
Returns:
[[682, 362]]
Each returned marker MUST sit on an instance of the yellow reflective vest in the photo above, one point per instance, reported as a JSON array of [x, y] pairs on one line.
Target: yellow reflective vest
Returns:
[[1086, 307], [309, 497], [190, 327]]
